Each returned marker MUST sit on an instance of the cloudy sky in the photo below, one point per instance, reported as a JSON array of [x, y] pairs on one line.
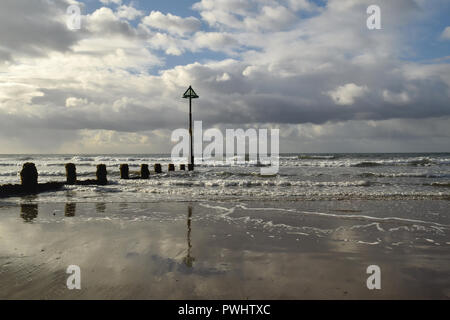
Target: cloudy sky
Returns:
[[311, 68]]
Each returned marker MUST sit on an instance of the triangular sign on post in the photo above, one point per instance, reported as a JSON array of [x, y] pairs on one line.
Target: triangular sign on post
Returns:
[[190, 93]]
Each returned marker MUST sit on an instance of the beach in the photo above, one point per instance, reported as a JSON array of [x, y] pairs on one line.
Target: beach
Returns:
[[223, 250], [310, 232]]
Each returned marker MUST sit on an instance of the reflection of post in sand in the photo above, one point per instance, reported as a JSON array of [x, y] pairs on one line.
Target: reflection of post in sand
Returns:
[[100, 207], [29, 211], [69, 209], [188, 260]]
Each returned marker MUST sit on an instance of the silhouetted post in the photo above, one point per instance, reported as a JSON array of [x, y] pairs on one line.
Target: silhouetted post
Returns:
[[190, 93], [171, 167], [145, 173], [71, 173], [124, 171], [182, 167], [157, 168], [101, 174], [29, 176]]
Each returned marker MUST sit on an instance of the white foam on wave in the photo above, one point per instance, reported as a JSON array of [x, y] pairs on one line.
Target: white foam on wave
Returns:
[[376, 224], [253, 183], [383, 219], [369, 243]]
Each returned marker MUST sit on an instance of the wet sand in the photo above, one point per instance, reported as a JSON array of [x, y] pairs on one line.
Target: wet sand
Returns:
[[225, 250]]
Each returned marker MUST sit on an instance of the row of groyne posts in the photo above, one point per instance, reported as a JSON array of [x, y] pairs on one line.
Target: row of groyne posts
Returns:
[[29, 178]]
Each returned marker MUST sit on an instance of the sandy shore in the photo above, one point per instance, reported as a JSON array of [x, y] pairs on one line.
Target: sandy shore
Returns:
[[298, 250]]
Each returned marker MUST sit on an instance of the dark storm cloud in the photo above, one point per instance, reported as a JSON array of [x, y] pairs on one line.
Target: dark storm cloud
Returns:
[[34, 28]]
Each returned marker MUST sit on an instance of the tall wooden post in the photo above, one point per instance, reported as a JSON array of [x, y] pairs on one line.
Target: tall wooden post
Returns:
[[190, 93], [191, 162]]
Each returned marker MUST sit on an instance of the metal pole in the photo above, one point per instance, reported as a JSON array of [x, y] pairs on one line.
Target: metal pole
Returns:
[[190, 131]]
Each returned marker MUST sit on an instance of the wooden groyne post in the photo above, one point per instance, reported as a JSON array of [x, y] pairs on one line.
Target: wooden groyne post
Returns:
[[124, 171], [71, 173], [29, 176], [145, 173], [101, 174], [29, 183]]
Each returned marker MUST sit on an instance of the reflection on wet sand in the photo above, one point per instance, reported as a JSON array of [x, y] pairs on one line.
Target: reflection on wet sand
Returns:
[[146, 251], [100, 207], [123, 206], [189, 260], [70, 209], [29, 211]]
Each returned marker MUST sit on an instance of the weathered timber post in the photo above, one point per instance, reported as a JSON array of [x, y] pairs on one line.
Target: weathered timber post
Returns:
[[29, 176], [101, 174], [171, 167], [145, 173], [182, 167], [157, 168], [124, 171], [71, 173]]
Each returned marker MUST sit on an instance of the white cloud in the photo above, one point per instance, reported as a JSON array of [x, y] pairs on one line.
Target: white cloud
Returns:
[[171, 23], [271, 18], [224, 77], [396, 98], [75, 102], [104, 22], [216, 41], [303, 5], [19, 92], [446, 34], [224, 12], [168, 43], [129, 12], [345, 95], [111, 1]]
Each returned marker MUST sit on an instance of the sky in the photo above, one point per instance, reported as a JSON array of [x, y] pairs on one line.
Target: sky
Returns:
[[311, 69]]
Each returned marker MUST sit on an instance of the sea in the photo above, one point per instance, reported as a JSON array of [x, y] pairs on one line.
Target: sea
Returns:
[[343, 176]]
